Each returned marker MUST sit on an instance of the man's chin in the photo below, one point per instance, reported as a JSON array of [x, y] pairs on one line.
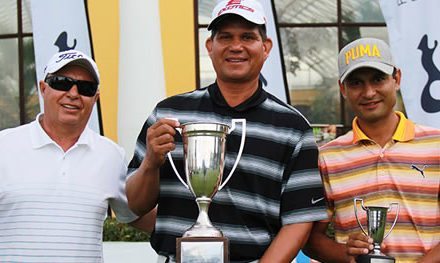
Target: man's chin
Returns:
[[371, 117], [237, 78], [70, 121]]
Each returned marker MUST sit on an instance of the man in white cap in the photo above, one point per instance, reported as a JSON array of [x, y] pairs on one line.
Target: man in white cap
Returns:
[[57, 175], [385, 159], [267, 208]]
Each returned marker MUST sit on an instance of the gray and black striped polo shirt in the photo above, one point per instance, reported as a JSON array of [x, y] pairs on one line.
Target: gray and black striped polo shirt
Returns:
[[276, 181]]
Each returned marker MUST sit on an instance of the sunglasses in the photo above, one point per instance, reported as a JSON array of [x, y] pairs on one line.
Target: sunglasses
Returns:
[[85, 88]]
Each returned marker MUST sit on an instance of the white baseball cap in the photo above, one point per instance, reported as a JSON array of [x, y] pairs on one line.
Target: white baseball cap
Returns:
[[251, 10], [365, 53], [71, 57]]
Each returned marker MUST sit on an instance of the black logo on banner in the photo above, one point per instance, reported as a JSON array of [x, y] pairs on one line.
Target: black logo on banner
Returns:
[[429, 104], [61, 42], [402, 2]]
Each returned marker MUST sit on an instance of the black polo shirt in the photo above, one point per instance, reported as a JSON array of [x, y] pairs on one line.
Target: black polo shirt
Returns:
[[273, 185]]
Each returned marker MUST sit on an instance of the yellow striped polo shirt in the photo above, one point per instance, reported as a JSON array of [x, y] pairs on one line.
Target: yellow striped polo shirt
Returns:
[[406, 170]]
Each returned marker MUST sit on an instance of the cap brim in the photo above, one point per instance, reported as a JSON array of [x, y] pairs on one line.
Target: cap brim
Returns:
[[84, 63], [385, 68], [215, 21]]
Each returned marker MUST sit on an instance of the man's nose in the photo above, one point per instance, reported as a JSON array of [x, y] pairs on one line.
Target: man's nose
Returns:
[[236, 44], [369, 90], [73, 91]]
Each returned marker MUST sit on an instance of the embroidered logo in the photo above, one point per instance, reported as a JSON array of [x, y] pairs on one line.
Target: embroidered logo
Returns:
[[361, 51], [314, 201], [235, 4], [421, 170]]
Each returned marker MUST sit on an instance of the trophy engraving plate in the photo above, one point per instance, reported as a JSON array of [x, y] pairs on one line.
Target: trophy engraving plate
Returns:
[[375, 259], [202, 249], [381, 260]]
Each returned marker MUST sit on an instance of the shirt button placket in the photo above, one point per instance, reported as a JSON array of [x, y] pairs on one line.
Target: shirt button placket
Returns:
[[379, 167], [64, 166]]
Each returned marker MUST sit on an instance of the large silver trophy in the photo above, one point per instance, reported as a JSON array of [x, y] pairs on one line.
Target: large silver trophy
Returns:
[[204, 160], [376, 222]]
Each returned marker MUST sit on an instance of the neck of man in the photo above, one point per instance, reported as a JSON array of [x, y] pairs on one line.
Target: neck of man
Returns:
[[380, 131], [65, 137], [236, 93]]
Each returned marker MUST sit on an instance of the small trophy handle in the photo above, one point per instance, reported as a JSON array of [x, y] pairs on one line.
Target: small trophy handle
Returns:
[[355, 213], [172, 162], [395, 219], [240, 150]]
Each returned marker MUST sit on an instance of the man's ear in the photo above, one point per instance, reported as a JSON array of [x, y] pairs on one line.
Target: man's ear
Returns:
[[342, 89], [267, 47], [208, 45], [42, 86], [97, 95], [397, 77]]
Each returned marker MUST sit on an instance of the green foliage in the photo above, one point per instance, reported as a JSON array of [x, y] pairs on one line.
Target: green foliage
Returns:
[[330, 230], [115, 231]]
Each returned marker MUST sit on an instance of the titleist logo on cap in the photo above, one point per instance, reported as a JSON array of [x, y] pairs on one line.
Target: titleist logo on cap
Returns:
[[360, 51], [71, 55], [235, 4]]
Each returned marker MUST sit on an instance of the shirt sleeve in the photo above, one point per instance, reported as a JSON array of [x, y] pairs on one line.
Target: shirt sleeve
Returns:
[[119, 202], [302, 196], [325, 179], [141, 145]]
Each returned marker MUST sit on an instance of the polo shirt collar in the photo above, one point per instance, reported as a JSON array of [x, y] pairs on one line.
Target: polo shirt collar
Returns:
[[40, 138], [256, 99], [405, 130]]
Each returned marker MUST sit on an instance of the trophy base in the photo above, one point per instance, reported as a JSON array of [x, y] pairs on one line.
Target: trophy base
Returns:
[[202, 249], [372, 258]]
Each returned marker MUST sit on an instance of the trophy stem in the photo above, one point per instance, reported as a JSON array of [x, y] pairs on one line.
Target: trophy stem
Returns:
[[203, 226], [376, 249], [203, 204]]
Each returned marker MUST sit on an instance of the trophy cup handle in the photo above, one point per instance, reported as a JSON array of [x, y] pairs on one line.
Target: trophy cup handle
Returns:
[[355, 213], [172, 162], [395, 219], [240, 150]]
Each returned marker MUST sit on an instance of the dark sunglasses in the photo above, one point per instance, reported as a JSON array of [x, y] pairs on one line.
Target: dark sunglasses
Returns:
[[85, 88]]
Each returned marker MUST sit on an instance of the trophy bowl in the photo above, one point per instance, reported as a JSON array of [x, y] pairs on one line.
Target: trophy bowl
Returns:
[[204, 160]]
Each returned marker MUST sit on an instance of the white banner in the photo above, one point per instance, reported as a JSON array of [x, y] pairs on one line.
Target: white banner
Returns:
[[414, 36], [60, 25], [273, 71]]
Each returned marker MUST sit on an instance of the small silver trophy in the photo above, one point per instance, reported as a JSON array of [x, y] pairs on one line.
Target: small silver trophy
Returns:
[[204, 160], [376, 222]]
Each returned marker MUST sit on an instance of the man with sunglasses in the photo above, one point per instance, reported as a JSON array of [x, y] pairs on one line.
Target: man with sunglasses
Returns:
[[57, 176]]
